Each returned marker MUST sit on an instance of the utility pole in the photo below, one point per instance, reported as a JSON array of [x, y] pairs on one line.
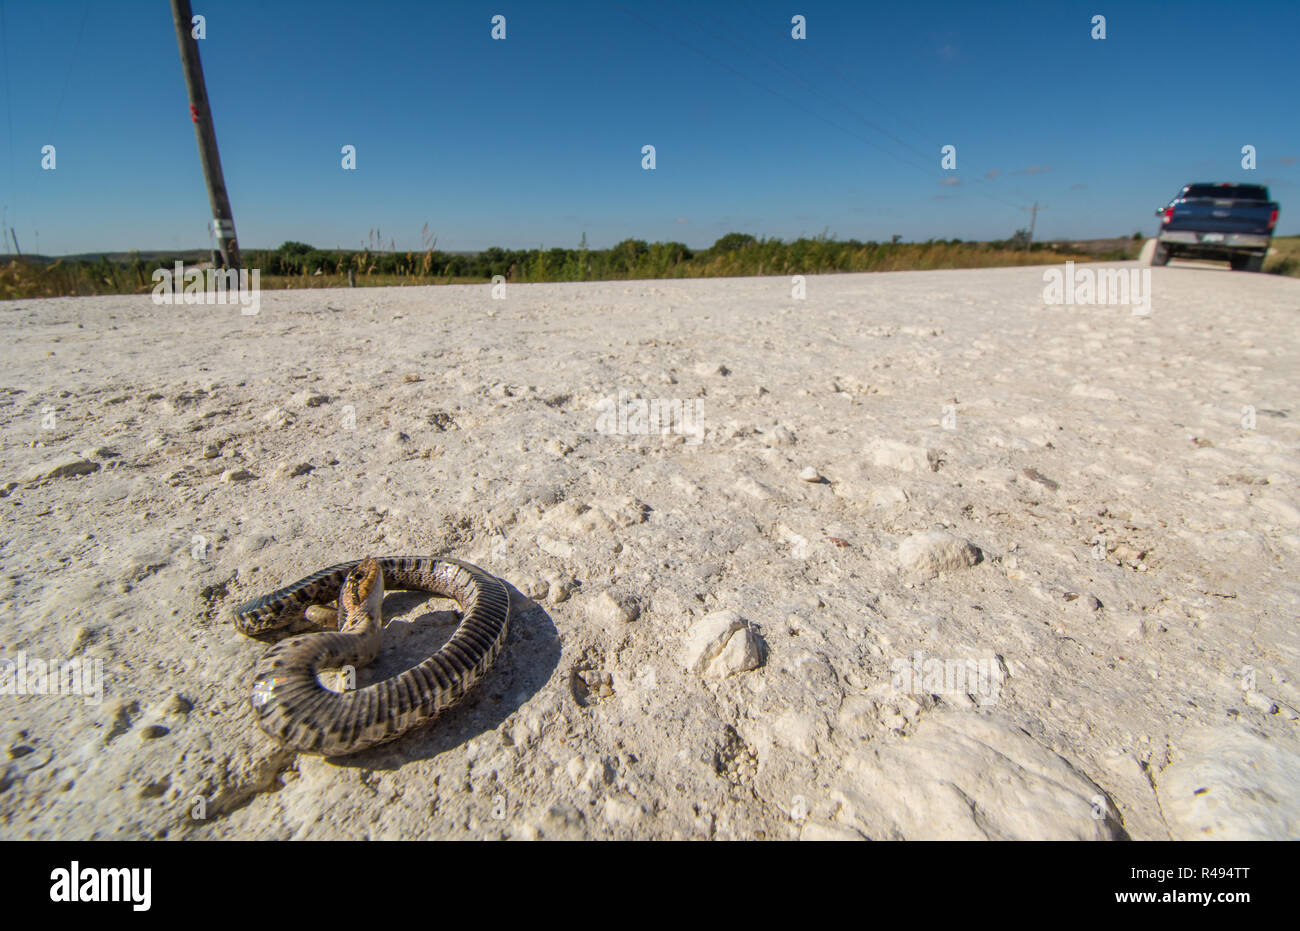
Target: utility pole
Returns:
[[223, 220], [1033, 217]]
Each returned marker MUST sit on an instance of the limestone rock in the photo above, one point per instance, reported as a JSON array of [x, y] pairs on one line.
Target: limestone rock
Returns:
[[891, 454], [1231, 784], [972, 777], [722, 645], [929, 553], [61, 468]]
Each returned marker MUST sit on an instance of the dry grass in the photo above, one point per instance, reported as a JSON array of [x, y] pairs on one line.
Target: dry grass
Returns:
[[1284, 257]]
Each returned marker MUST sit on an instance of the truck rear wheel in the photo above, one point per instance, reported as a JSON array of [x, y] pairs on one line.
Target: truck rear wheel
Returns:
[[1160, 255], [1255, 263]]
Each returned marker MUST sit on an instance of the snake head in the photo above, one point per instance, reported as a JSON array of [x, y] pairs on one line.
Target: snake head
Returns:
[[362, 595]]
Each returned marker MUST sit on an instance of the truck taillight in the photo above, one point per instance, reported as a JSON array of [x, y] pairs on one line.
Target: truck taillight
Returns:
[[1169, 215], [1272, 219]]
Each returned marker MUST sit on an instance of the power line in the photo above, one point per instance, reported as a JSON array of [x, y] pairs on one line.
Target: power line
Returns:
[[9, 107], [868, 123], [805, 109], [67, 78]]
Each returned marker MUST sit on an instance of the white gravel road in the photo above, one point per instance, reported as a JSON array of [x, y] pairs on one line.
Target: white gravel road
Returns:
[[923, 557]]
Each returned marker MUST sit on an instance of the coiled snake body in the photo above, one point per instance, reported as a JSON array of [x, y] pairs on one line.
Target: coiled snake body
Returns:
[[295, 709]]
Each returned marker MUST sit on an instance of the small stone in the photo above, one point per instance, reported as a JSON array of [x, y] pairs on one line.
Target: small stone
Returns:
[[886, 496], [611, 610], [891, 454], [536, 589], [309, 399], [623, 813], [277, 417], [1261, 702], [742, 653], [153, 732], [809, 474], [722, 645], [293, 469], [780, 436], [709, 636], [236, 475], [211, 451], [81, 637], [1127, 553], [558, 589], [411, 379], [62, 468], [1035, 476], [704, 369], [927, 554]]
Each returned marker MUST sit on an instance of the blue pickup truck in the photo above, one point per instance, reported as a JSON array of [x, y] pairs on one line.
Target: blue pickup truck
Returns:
[[1225, 222]]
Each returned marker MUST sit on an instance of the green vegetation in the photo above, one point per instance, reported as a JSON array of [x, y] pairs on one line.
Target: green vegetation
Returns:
[[299, 265], [1284, 257]]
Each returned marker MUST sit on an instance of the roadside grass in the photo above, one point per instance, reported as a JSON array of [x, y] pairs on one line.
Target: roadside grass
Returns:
[[297, 266], [1284, 257]]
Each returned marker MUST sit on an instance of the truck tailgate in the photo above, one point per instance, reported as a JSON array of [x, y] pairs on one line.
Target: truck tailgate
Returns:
[[1221, 216]]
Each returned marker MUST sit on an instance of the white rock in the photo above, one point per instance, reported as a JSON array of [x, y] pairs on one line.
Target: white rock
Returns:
[[1231, 784], [891, 454], [934, 551], [810, 474], [278, 417], [972, 777], [779, 436], [709, 636], [1261, 702], [886, 496], [627, 814], [309, 399], [611, 611], [288, 469], [61, 468], [742, 653]]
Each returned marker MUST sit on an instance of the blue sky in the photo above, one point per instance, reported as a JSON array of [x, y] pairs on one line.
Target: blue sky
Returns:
[[537, 139]]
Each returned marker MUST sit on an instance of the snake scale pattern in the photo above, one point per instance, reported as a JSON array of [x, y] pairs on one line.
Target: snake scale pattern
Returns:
[[296, 710]]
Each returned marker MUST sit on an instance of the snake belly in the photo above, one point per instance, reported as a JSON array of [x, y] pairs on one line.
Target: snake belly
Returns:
[[295, 709]]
